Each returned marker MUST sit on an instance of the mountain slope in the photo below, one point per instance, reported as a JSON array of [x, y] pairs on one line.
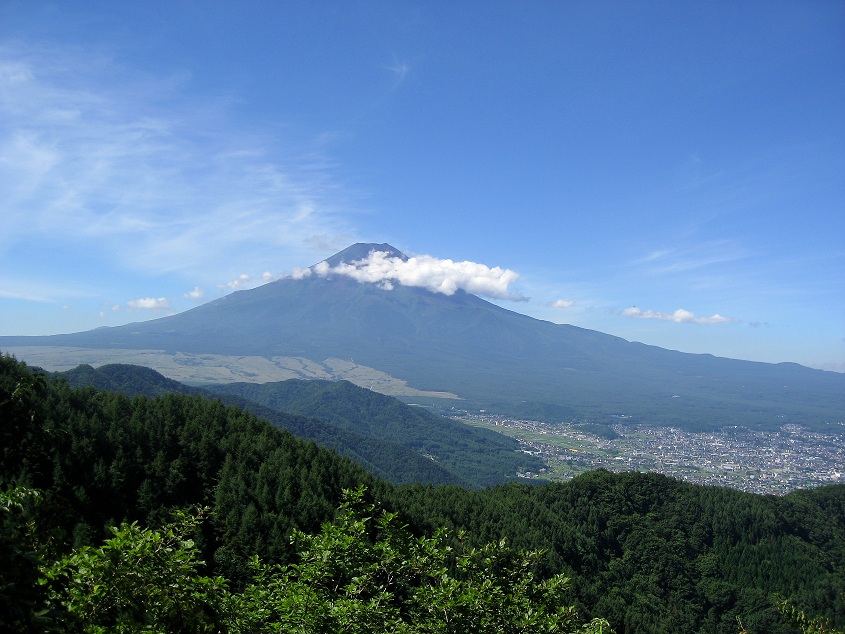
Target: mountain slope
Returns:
[[479, 456], [489, 356], [132, 380], [394, 441]]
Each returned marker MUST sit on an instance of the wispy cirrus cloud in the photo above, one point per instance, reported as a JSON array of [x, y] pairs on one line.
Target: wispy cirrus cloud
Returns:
[[398, 68], [23, 295], [680, 316], [711, 267], [692, 258], [148, 176]]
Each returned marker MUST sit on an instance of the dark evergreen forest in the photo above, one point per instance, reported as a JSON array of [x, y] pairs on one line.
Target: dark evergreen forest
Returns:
[[242, 510], [476, 457], [392, 440]]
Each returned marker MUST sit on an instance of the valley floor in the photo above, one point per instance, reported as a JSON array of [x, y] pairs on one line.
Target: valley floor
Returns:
[[754, 461]]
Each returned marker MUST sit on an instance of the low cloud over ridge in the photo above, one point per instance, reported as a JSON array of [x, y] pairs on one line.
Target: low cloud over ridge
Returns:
[[425, 271], [680, 316], [149, 303]]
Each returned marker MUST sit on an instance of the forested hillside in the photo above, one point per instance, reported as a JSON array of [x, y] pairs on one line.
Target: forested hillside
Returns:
[[395, 441], [387, 460], [132, 380], [651, 554], [480, 457]]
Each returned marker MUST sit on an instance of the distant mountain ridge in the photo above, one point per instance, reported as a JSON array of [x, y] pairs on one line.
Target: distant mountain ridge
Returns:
[[488, 356], [132, 380]]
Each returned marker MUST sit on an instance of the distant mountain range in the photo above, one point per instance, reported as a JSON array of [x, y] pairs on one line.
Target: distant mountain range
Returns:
[[461, 351]]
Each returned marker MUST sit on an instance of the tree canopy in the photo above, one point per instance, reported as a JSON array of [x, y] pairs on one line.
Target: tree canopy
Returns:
[[241, 513]]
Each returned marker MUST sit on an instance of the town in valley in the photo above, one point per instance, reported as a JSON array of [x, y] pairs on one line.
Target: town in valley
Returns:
[[767, 462]]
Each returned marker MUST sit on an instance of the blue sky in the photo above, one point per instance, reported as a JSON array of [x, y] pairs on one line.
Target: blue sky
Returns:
[[668, 172]]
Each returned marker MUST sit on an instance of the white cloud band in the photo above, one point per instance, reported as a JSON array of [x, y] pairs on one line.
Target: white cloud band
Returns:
[[425, 271], [680, 316], [149, 303]]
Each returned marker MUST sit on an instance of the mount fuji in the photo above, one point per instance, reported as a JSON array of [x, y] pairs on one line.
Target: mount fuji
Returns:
[[455, 350]]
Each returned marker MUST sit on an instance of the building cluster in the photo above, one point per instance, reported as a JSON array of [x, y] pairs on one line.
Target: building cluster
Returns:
[[770, 462]]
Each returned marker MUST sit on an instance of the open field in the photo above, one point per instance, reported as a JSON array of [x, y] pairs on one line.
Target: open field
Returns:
[[199, 369]]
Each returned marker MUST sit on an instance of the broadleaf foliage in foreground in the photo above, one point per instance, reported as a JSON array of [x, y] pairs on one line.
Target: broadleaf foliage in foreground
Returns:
[[363, 573]]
